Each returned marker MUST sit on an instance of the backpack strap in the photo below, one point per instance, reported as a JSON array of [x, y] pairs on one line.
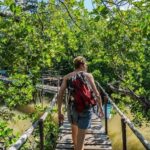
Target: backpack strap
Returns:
[[86, 81]]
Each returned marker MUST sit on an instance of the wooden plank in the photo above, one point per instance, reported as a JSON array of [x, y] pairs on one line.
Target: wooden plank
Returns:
[[94, 118], [67, 126], [86, 147], [94, 129], [90, 141], [89, 131], [47, 88], [98, 136], [93, 122]]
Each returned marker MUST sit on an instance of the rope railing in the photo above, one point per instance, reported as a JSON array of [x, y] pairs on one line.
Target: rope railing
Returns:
[[22, 140], [124, 121]]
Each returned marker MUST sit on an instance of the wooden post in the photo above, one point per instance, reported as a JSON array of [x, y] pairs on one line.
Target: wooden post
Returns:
[[58, 84], [106, 123], [42, 91], [124, 139], [41, 134]]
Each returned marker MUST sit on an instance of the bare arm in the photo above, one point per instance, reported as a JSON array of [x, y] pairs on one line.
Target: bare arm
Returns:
[[60, 94], [99, 99]]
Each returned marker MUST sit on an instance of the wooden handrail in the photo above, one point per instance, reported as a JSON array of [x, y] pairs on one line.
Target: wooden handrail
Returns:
[[27, 133], [126, 120]]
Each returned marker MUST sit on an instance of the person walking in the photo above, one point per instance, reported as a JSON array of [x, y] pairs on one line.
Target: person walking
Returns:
[[83, 94]]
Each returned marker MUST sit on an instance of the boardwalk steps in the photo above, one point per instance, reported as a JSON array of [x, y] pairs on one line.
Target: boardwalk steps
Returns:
[[95, 138]]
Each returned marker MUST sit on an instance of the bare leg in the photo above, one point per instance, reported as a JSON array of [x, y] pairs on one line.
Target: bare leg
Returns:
[[74, 134], [80, 139]]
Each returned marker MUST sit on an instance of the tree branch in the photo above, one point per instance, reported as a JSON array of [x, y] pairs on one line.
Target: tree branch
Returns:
[[71, 15], [145, 102]]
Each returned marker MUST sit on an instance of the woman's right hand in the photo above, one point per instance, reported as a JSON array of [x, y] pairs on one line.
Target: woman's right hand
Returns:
[[101, 113]]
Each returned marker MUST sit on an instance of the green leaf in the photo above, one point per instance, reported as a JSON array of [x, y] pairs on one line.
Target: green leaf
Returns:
[[13, 7]]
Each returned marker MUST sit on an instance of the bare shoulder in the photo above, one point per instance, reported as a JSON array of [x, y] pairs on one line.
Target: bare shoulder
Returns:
[[65, 78], [68, 76], [89, 75]]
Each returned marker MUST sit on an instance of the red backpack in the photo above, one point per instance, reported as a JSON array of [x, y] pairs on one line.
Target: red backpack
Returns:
[[81, 91]]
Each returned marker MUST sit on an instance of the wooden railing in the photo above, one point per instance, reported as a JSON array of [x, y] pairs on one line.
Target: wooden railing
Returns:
[[39, 123], [124, 121]]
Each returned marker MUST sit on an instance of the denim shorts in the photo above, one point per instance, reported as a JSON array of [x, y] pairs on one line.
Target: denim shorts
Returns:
[[82, 120]]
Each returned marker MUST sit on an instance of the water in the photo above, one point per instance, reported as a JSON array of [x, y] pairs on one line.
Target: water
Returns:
[[109, 108]]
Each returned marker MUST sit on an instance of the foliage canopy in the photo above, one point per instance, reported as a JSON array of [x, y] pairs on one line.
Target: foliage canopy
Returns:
[[115, 41]]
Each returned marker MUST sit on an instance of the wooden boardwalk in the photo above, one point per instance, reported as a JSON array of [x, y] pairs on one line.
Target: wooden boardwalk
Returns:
[[95, 138], [47, 88]]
